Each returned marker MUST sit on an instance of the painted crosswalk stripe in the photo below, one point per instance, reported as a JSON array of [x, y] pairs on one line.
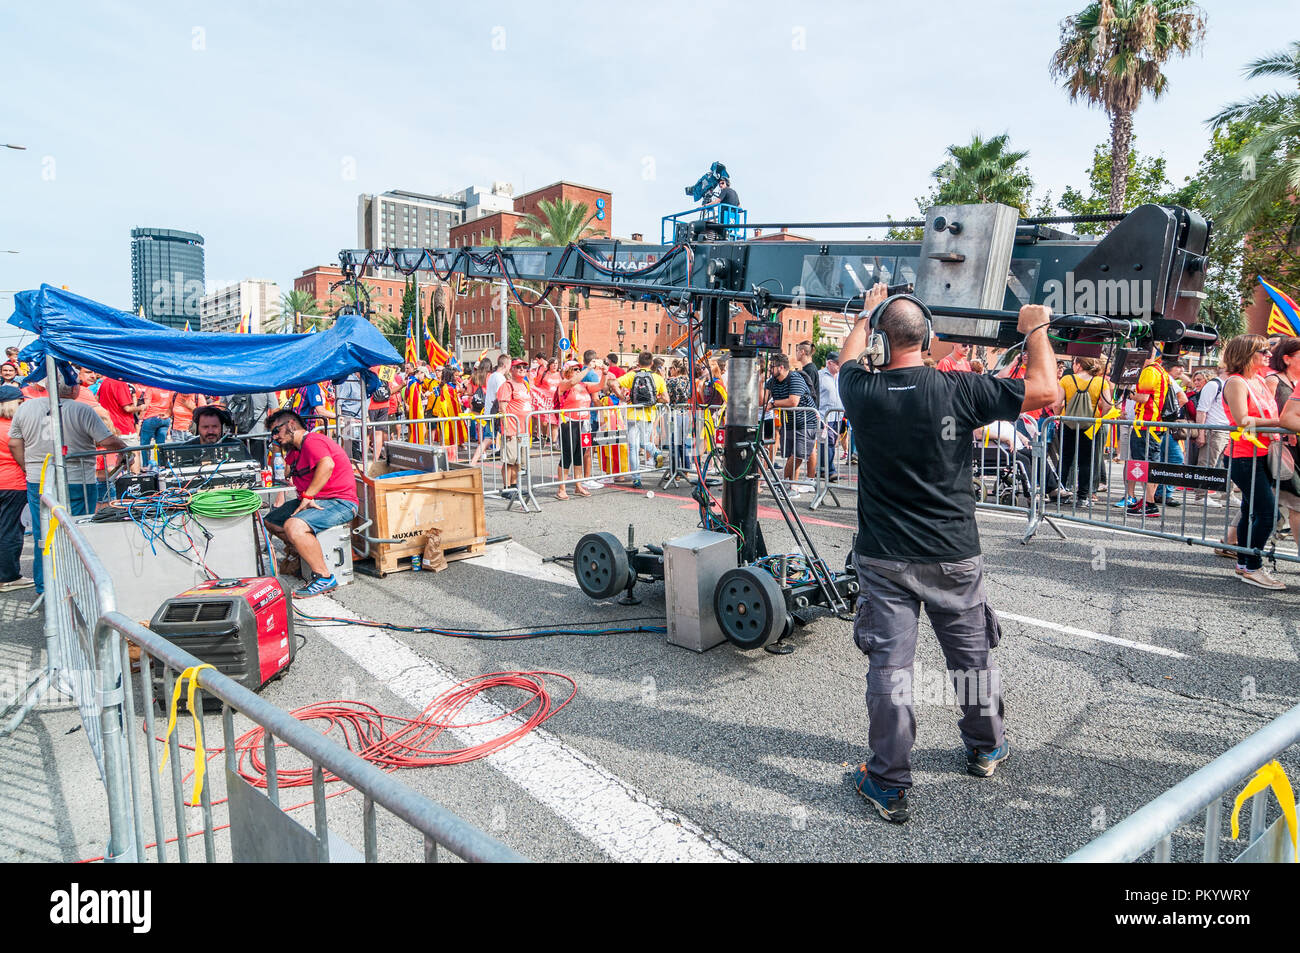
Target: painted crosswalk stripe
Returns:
[[621, 821]]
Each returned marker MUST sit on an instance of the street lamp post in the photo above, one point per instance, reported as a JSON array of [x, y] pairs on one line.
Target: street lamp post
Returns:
[[621, 335]]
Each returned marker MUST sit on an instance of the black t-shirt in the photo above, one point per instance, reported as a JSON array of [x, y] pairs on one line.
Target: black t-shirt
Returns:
[[912, 432], [728, 197], [795, 384]]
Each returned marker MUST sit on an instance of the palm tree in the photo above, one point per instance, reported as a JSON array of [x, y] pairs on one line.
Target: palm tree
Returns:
[[299, 303], [984, 171], [1270, 169], [561, 222], [1112, 52]]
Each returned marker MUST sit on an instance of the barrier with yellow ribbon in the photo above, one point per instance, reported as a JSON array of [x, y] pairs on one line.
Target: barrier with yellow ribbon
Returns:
[[1273, 776], [1241, 433], [1111, 414], [200, 756]]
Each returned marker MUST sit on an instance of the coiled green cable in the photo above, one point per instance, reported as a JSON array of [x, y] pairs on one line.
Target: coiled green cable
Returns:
[[220, 503]]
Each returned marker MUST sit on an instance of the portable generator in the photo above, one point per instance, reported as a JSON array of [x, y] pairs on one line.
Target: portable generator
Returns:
[[242, 627]]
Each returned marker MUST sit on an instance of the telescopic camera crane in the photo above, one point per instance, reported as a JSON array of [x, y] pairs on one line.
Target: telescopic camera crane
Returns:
[[974, 267]]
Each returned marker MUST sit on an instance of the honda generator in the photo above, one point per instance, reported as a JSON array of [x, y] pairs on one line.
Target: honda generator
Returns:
[[241, 627]]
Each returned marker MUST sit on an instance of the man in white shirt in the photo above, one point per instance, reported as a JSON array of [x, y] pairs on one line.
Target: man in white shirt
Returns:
[[832, 409], [1212, 443]]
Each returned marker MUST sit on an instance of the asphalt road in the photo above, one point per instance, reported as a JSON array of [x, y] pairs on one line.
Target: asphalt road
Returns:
[[747, 755]]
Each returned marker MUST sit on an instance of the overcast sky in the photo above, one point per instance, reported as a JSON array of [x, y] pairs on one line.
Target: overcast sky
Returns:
[[257, 125]]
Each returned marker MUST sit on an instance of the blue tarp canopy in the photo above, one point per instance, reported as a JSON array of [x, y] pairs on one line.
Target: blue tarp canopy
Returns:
[[130, 348]]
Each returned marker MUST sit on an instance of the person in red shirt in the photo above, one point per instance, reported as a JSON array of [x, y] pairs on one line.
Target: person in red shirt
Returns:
[[13, 497], [955, 360], [515, 400], [327, 496], [573, 396], [121, 403]]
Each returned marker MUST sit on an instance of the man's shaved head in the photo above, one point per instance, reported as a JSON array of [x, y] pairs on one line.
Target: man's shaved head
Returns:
[[903, 322]]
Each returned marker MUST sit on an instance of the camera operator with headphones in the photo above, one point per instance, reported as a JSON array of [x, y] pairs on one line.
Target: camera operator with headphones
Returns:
[[917, 542]]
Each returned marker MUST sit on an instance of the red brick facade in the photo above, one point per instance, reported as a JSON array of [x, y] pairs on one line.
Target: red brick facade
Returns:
[[385, 293]]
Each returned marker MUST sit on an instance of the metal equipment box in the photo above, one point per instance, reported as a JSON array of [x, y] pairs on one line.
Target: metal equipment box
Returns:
[[336, 545], [965, 261], [693, 564]]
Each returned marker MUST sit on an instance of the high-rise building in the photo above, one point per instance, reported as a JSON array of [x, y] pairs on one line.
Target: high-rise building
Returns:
[[258, 299], [167, 275], [400, 219]]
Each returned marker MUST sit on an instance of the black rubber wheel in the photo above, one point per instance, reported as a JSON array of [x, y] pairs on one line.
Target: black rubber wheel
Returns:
[[750, 608], [600, 565]]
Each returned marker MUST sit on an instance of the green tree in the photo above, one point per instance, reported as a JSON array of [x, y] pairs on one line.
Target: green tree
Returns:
[[559, 223], [1147, 182], [407, 310], [515, 334], [984, 170], [1268, 172], [1263, 245], [393, 328], [1111, 54], [304, 306]]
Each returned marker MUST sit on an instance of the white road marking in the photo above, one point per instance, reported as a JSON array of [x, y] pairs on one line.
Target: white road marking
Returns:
[[517, 559], [1084, 633], [622, 821]]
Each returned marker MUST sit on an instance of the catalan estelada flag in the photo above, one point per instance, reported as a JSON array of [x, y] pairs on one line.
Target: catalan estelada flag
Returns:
[[437, 354], [1284, 319]]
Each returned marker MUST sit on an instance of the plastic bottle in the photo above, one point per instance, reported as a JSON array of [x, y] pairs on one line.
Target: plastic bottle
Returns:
[[277, 467], [417, 561]]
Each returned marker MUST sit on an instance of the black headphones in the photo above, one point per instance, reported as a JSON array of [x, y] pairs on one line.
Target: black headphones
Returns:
[[877, 352], [227, 422]]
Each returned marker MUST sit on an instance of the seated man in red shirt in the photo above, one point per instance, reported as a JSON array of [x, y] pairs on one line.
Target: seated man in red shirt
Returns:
[[327, 496]]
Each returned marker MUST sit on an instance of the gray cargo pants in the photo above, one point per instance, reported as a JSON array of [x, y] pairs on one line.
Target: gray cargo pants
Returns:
[[889, 608]]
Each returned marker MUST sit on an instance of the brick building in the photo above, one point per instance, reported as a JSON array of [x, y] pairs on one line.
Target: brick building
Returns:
[[385, 293]]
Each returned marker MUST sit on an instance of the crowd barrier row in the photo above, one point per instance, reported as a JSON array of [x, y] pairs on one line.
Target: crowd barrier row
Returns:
[[89, 656]]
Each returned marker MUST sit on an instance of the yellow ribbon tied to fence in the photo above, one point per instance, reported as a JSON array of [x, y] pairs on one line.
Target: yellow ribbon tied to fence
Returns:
[[200, 758], [1241, 433], [1109, 415], [54, 520], [1272, 776]]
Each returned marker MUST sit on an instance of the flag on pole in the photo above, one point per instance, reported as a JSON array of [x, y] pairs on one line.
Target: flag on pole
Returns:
[[1284, 318], [437, 354]]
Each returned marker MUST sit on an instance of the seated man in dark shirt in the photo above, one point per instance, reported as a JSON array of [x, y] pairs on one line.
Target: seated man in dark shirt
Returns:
[[917, 542], [215, 440]]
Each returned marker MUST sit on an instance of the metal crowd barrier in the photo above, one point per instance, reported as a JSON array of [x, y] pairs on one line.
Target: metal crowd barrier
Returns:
[[1206, 504], [605, 443], [90, 643], [1153, 825]]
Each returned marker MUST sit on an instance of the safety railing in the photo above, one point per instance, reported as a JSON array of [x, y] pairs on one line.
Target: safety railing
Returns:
[[1153, 826], [91, 636], [579, 449], [1140, 484]]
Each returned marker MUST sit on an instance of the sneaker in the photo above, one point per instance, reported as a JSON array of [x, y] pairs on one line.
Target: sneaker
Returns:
[[1170, 501], [16, 584], [890, 803], [983, 765], [1262, 578], [636, 484], [593, 485], [1127, 502], [1147, 510], [1211, 502], [318, 586]]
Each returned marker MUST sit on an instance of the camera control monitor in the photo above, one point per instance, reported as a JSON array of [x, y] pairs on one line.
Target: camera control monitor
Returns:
[[762, 335]]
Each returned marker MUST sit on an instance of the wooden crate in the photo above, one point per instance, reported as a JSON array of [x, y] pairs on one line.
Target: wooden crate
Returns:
[[407, 507]]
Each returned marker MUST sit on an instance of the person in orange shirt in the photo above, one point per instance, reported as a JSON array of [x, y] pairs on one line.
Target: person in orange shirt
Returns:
[[156, 420], [183, 407]]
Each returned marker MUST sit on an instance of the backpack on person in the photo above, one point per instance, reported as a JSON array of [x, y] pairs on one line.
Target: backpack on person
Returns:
[[643, 388], [1080, 405], [242, 411]]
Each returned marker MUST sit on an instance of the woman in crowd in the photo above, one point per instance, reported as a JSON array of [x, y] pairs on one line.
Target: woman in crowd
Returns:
[[1084, 382], [574, 396], [679, 395], [544, 385], [13, 498], [1285, 364], [1249, 405]]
